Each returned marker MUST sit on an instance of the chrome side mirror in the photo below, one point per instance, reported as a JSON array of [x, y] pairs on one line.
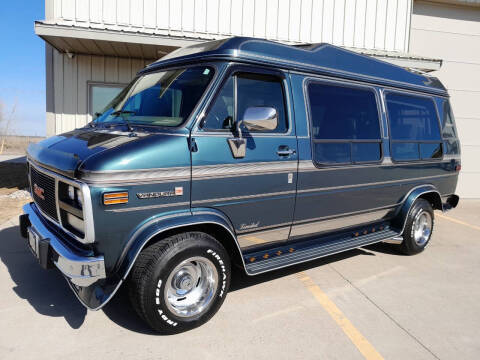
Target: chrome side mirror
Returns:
[[260, 118], [256, 118]]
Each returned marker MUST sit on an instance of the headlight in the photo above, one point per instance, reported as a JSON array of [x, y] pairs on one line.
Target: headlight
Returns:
[[75, 222], [71, 192], [75, 195], [71, 208]]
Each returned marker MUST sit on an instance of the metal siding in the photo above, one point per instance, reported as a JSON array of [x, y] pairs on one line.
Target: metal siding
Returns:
[[68, 107], [84, 74], [452, 34], [349, 23], [359, 23], [380, 24]]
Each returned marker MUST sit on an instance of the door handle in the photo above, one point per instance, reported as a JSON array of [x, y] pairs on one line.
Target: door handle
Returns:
[[285, 151]]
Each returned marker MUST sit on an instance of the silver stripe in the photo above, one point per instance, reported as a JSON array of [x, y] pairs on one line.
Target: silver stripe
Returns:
[[338, 223], [264, 237], [387, 207], [452, 157], [308, 165], [253, 196], [406, 180], [142, 176], [240, 169], [148, 207]]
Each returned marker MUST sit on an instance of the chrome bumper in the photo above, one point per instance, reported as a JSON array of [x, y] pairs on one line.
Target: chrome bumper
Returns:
[[80, 270]]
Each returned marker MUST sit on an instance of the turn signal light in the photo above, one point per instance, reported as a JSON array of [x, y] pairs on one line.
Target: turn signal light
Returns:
[[115, 198]]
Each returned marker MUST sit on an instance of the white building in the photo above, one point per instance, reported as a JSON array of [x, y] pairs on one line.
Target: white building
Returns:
[[95, 47]]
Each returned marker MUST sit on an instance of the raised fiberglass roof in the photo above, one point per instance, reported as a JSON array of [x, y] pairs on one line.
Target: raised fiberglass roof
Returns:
[[322, 59]]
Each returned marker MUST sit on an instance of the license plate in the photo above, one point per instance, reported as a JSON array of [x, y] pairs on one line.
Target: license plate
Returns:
[[33, 240]]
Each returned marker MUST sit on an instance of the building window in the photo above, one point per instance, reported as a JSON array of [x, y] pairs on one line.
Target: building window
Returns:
[[414, 127], [344, 124], [100, 96]]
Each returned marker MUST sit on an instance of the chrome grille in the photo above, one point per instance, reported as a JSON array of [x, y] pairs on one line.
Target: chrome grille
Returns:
[[43, 185]]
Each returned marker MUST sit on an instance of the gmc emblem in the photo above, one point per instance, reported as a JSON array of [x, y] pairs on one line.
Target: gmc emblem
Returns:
[[38, 191]]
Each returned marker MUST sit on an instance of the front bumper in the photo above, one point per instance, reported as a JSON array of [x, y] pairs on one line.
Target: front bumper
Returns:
[[79, 268]]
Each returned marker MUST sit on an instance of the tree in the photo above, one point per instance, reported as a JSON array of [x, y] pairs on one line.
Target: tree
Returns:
[[5, 123]]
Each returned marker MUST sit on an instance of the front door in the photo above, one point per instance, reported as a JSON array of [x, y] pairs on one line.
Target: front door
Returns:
[[255, 191]]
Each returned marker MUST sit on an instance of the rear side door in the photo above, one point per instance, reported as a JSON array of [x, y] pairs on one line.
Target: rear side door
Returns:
[[257, 191], [341, 177]]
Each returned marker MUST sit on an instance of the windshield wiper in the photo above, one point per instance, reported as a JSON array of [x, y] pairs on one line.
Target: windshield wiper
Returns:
[[122, 112], [118, 113]]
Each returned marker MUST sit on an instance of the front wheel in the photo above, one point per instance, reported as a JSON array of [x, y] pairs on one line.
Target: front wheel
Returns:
[[180, 282], [418, 228]]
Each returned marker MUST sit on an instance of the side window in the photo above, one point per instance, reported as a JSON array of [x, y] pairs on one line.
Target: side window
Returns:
[[221, 114], [252, 90], [261, 90], [344, 124], [448, 130], [414, 127], [450, 140]]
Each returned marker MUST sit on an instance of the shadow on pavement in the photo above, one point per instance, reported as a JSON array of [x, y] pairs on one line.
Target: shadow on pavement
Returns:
[[46, 291], [49, 294], [241, 280]]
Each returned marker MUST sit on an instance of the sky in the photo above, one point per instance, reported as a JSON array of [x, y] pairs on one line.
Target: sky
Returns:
[[22, 66]]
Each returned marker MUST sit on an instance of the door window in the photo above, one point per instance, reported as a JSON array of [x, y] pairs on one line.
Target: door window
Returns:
[[414, 127], [252, 90], [344, 124]]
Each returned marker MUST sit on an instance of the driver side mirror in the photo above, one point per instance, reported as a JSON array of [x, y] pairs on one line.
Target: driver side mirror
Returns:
[[255, 118], [260, 118]]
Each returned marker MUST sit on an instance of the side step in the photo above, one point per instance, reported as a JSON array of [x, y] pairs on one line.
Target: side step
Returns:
[[295, 253]]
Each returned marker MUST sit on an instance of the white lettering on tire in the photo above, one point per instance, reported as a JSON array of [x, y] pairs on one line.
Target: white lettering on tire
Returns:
[[160, 311], [224, 272]]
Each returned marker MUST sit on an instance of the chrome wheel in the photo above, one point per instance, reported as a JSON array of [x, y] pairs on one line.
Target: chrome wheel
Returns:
[[191, 287], [422, 227]]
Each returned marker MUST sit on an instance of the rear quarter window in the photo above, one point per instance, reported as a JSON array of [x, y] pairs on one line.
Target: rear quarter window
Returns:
[[414, 127]]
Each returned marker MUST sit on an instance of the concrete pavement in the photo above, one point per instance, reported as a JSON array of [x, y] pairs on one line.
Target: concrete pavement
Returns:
[[419, 307]]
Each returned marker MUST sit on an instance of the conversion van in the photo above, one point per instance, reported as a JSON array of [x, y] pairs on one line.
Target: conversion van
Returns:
[[239, 152]]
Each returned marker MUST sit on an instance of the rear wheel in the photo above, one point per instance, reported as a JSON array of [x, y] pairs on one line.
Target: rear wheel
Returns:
[[180, 282], [418, 228]]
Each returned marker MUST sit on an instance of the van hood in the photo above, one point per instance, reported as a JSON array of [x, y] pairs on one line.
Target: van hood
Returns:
[[66, 152]]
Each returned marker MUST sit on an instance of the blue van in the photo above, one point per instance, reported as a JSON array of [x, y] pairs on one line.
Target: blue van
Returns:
[[239, 152]]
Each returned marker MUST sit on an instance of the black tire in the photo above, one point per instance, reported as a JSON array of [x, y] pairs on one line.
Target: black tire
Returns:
[[411, 244], [148, 280]]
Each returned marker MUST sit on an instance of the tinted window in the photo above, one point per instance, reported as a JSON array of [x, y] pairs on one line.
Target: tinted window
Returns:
[[220, 115], [430, 151], [164, 98], [362, 152], [343, 113], [258, 90], [414, 128], [448, 130], [412, 117], [405, 151], [332, 152], [344, 124]]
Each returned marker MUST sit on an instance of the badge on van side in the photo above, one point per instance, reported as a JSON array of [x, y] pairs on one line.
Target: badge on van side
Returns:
[[178, 191]]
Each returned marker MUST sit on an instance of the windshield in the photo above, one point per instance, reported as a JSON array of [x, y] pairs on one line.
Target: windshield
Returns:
[[164, 98]]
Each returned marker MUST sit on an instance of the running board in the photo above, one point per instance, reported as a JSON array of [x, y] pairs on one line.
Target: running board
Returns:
[[298, 252]]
